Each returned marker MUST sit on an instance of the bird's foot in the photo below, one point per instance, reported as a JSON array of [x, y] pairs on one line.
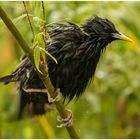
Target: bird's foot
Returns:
[[65, 122], [50, 99], [57, 98], [58, 95]]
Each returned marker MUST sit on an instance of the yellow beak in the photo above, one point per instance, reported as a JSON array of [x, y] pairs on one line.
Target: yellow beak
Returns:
[[121, 36]]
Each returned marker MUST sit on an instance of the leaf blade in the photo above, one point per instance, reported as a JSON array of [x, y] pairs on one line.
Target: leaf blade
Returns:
[[37, 57], [52, 57]]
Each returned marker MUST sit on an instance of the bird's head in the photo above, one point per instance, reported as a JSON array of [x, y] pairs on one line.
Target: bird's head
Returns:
[[103, 29]]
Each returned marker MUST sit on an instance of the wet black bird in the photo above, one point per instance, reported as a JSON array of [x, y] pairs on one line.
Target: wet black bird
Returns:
[[77, 50]]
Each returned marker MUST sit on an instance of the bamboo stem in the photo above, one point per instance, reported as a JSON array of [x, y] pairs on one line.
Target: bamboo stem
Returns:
[[46, 126]]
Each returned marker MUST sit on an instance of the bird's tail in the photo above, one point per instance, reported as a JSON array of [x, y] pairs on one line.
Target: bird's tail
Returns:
[[7, 79]]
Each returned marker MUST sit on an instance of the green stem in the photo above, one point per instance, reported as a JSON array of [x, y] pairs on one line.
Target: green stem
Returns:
[[29, 53]]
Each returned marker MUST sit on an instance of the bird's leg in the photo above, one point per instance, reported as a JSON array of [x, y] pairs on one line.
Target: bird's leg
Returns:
[[39, 90], [66, 122]]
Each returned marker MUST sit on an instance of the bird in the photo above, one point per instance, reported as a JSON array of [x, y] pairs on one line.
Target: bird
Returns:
[[77, 49]]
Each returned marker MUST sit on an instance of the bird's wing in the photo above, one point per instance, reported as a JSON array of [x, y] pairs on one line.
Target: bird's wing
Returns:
[[66, 38]]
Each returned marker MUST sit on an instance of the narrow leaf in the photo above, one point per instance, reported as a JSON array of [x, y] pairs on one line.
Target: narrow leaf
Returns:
[[37, 57], [20, 18], [49, 55], [39, 39]]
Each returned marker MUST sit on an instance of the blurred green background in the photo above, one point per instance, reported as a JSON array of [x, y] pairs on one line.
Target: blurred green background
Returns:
[[110, 106]]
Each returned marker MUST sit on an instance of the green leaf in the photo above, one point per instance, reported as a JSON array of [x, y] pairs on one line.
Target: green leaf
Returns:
[[37, 57], [19, 18], [49, 55], [37, 53], [39, 40]]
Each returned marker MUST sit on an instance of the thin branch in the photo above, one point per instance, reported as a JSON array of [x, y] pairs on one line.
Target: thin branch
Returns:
[[44, 68], [29, 20], [44, 17], [44, 24], [46, 126], [44, 29]]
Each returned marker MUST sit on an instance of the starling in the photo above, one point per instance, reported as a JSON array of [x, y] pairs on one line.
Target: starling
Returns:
[[77, 50]]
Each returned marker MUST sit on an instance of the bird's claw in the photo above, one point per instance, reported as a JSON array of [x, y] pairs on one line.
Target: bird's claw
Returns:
[[59, 95], [57, 98], [66, 122]]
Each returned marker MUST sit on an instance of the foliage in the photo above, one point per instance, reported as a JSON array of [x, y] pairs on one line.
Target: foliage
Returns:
[[109, 108], [39, 50]]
